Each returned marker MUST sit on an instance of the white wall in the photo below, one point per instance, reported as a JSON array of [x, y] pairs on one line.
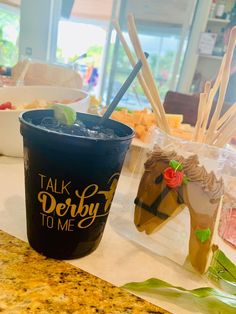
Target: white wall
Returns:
[[38, 28]]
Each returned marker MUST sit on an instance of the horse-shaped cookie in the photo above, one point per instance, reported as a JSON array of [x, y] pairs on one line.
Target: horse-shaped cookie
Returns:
[[169, 184]]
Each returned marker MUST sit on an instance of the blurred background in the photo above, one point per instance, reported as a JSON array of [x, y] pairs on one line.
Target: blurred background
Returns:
[[185, 40]]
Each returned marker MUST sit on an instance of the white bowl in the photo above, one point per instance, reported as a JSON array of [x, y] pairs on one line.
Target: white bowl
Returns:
[[11, 142]]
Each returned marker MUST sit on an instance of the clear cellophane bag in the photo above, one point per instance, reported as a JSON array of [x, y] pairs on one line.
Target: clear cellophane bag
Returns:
[[227, 226], [169, 239]]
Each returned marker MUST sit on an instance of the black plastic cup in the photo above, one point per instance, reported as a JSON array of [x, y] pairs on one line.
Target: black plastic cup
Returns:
[[70, 182]]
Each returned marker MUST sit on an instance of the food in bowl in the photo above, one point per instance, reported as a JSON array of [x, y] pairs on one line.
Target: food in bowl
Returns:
[[36, 104], [7, 106], [16, 99], [34, 97]]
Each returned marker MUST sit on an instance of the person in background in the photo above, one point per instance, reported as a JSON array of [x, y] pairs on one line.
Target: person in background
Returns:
[[5, 76], [6, 71]]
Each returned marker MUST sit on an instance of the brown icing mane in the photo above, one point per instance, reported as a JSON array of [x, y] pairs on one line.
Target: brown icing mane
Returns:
[[191, 169]]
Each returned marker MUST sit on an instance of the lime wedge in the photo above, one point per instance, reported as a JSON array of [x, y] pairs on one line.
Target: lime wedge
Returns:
[[64, 114]]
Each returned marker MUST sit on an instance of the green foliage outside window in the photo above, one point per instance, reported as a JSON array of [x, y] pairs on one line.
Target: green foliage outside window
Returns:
[[8, 47], [162, 67]]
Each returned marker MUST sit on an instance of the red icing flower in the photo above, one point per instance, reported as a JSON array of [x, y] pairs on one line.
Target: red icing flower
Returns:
[[173, 178]]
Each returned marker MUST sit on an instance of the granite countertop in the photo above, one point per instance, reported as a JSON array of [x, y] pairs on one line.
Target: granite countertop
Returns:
[[32, 283]]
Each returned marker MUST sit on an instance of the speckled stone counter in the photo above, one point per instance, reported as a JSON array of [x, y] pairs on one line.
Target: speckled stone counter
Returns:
[[32, 283]]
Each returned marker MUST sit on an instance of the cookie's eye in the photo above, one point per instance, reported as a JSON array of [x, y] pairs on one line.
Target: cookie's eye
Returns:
[[159, 179]]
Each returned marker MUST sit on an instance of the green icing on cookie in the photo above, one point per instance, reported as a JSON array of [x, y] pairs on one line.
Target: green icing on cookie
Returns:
[[174, 164], [203, 234]]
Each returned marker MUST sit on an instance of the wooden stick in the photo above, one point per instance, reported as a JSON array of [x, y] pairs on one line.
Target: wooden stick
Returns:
[[226, 139], [201, 105], [210, 99], [21, 77], [139, 76], [147, 74], [207, 87], [223, 85], [222, 129], [226, 134], [138, 50], [226, 116], [201, 131]]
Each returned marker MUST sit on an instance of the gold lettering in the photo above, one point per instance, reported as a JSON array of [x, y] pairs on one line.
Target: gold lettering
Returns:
[[59, 209], [50, 185], [43, 198], [43, 218], [94, 188], [92, 215], [55, 187], [42, 176], [93, 209], [50, 222], [71, 225], [67, 226], [88, 221], [64, 187], [84, 209], [73, 207], [109, 194], [47, 221], [61, 226]]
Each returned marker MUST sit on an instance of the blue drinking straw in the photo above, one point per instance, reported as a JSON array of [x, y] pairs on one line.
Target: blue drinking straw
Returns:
[[122, 90]]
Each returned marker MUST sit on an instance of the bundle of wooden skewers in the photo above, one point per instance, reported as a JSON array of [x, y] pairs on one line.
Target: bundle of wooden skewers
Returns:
[[216, 131]]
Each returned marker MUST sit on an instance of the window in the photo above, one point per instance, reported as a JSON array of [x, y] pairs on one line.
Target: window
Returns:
[[162, 46], [84, 52], [163, 35], [9, 33]]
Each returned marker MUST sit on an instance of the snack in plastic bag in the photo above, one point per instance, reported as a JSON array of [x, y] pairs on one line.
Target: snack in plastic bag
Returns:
[[227, 228]]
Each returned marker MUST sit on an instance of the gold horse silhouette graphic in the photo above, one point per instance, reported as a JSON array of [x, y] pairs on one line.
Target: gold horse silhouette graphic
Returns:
[[162, 194], [110, 193]]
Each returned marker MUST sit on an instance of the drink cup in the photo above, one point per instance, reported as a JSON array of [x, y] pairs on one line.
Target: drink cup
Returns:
[[70, 182]]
